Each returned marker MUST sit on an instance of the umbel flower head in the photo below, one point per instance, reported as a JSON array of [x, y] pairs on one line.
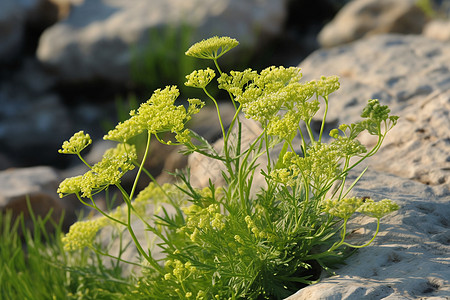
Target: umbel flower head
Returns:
[[275, 89], [212, 48], [158, 114], [343, 208], [76, 143], [378, 209], [82, 234], [200, 78], [115, 163]]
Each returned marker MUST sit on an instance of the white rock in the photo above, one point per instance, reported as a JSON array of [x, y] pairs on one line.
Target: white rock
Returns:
[[411, 74], [96, 40], [438, 29], [408, 259], [366, 17]]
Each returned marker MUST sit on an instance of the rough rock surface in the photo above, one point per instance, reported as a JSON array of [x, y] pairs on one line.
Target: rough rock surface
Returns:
[[361, 18], [411, 74], [438, 29], [408, 259], [95, 41]]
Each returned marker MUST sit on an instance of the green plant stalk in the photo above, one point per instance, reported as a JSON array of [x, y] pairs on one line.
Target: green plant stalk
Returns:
[[324, 118], [141, 166], [306, 184], [369, 242], [82, 159], [309, 130], [94, 206], [342, 242]]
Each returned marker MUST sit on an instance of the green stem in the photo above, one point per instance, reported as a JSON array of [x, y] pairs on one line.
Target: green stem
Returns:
[[324, 117], [141, 166], [369, 242], [147, 257], [303, 141], [218, 111], [94, 206], [310, 133], [347, 161], [225, 140], [85, 162], [305, 205], [235, 118], [118, 258]]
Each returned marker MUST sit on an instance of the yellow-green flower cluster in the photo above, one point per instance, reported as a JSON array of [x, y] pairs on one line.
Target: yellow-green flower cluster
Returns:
[[236, 81], [158, 195], [267, 93], [375, 114], [71, 185], [82, 234], [288, 172], [200, 78], [181, 272], [114, 164], [276, 89], [254, 229], [202, 220], [194, 106], [346, 207], [378, 209], [284, 127], [158, 114], [212, 48], [321, 162], [178, 270], [320, 165], [349, 147], [76, 143], [343, 208], [327, 85]]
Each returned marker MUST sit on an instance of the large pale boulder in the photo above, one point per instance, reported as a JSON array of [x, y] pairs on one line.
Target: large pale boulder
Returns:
[[408, 259], [411, 74], [438, 29], [96, 40], [360, 18]]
